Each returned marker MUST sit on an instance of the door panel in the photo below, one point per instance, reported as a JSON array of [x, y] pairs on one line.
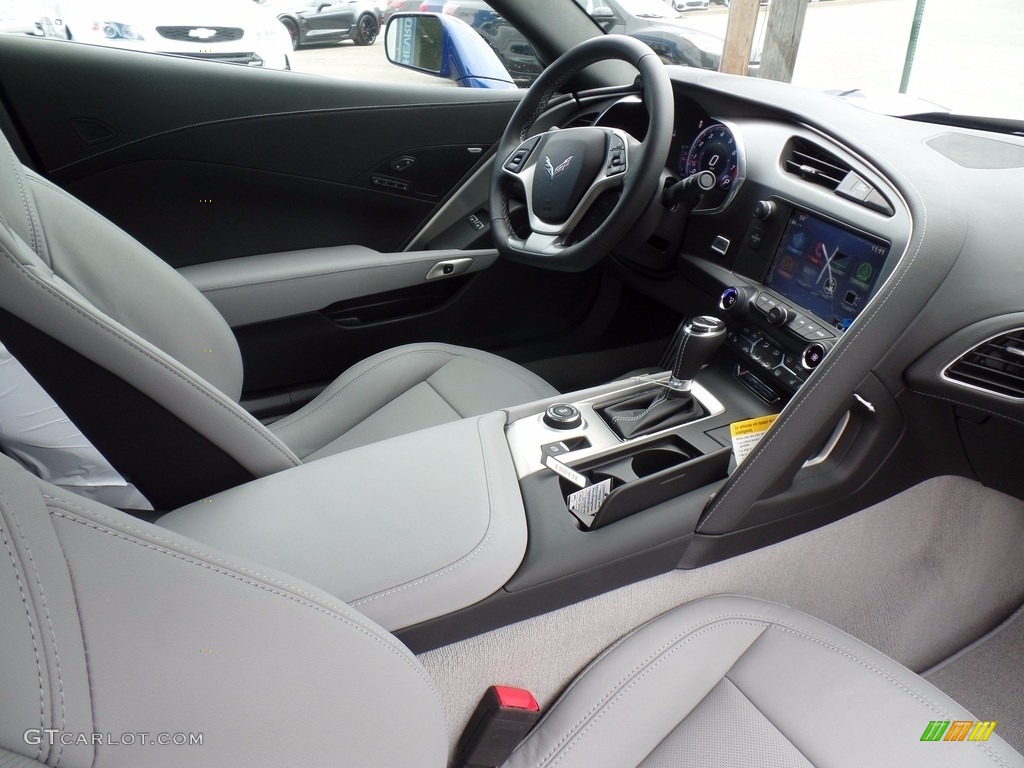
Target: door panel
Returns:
[[289, 161], [204, 162]]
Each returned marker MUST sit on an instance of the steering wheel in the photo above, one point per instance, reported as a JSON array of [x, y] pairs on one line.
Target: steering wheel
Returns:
[[563, 172]]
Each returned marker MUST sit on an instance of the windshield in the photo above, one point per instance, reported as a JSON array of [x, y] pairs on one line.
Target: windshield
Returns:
[[965, 56]]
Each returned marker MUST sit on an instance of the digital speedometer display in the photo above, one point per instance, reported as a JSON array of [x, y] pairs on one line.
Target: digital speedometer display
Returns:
[[826, 269], [714, 149]]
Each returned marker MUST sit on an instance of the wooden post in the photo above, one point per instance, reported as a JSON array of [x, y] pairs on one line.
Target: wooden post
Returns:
[[739, 36], [782, 39]]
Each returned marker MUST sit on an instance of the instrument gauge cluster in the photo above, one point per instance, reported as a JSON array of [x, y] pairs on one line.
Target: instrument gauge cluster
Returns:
[[712, 146]]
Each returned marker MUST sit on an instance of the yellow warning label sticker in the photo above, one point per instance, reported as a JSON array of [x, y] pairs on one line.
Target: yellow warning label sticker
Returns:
[[745, 434]]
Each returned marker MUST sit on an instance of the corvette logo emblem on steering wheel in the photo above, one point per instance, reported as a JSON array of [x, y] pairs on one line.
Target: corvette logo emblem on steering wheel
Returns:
[[552, 170]]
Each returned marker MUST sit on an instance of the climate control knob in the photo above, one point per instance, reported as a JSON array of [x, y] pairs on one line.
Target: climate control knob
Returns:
[[814, 353], [779, 315]]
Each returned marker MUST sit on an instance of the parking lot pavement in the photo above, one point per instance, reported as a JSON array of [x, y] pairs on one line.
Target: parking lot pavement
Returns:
[[846, 44]]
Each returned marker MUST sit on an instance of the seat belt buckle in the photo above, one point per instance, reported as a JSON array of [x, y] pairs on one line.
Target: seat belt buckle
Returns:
[[501, 720]]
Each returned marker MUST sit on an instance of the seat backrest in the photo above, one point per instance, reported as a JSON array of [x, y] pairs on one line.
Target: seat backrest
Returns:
[[137, 357], [112, 627]]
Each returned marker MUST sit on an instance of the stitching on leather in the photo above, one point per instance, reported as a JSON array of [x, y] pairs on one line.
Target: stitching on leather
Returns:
[[158, 263], [28, 616], [285, 113], [682, 348], [830, 363], [480, 546], [282, 427], [153, 358], [981, 408], [761, 712], [525, 130], [53, 635], [683, 637], [199, 553], [19, 175], [657, 401], [539, 388], [340, 270], [437, 392], [653, 655], [374, 635]]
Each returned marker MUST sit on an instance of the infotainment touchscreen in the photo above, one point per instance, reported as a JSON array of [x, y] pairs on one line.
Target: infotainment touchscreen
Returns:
[[825, 269]]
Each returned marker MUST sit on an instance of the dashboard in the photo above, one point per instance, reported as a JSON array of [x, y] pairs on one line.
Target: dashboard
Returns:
[[799, 269], [867, 268]]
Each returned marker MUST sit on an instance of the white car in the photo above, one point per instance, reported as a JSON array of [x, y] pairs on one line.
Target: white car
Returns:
[[232, 31], [690, 5], [29, 17]]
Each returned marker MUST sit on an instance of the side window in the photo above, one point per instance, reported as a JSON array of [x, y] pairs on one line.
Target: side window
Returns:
[[338, 38]]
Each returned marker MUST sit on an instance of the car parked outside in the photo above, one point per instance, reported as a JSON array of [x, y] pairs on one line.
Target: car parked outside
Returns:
[[690, 5], [391, 7], [319, 21], [231, 31], [651, 21], [30, 17]]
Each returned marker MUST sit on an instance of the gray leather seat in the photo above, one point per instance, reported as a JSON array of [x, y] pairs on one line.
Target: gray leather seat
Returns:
[[113, 627], [136, 356]]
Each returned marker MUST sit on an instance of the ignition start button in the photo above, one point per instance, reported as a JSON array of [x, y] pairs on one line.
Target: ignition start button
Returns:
[[562, 416]]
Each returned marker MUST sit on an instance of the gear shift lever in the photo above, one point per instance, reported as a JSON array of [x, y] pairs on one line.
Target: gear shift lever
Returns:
[[699, 340], [670, 404]]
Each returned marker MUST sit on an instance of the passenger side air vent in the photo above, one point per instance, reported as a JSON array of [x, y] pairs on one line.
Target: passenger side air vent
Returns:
[[816, 165], [996, 366], [812, 163]]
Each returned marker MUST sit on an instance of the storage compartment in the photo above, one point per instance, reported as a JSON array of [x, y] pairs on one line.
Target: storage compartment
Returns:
[[642, 476]]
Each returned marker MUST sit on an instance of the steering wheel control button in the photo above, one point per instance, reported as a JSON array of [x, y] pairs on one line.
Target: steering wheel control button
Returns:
[[814, 353], [616, 156], [518, 159], [563, 416]]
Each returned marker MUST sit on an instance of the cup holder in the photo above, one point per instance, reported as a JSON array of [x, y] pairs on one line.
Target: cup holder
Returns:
[[652, 474], [650, 462]]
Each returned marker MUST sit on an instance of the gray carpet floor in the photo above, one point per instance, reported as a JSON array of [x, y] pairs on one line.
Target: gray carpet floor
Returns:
[[918, 576], [988, 679]]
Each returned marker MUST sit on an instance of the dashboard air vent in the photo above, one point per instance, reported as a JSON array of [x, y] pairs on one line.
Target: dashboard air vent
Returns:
[[812, 163], [996, 365]]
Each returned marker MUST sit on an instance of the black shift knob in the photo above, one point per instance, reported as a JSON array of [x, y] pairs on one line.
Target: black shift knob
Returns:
[[700, 338]]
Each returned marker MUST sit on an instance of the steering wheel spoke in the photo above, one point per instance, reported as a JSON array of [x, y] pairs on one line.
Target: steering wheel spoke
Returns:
[[540, 172], [544, 245], [564, 172]]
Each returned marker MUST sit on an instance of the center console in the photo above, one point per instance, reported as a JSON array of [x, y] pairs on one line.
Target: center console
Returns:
[[451, 531], [798, 282]]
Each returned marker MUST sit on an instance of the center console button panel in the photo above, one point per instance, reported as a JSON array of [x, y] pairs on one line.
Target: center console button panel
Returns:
[[778, 364]]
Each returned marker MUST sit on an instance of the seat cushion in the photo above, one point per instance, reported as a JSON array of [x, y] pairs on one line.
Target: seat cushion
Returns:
[[403, 390], [733, 681]]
